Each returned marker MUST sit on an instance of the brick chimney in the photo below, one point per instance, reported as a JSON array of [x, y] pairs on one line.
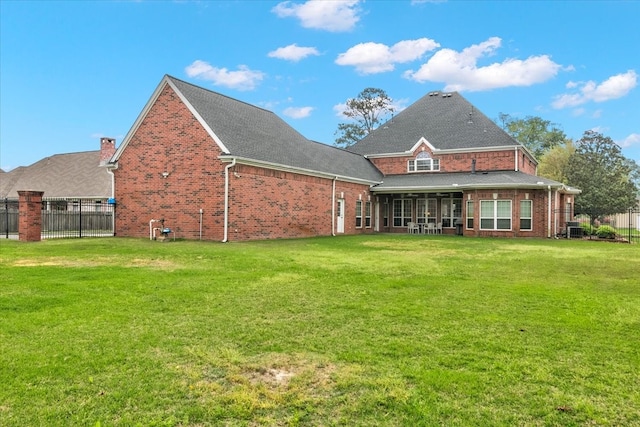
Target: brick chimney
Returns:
[[107, 150]]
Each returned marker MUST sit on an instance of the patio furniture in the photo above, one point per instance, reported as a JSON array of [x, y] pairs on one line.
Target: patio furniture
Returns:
[[413, 227]]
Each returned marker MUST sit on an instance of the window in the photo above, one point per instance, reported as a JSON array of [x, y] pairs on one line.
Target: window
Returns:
[[525, 214], [401, 212], [426, 210], [495, 214], [451, 211], [358, 213], [470, 214], [367, 214], [423, 162], [385, 213]]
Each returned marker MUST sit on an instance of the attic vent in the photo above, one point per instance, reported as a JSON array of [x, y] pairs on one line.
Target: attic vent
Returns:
[[433, 93], [446, 95]]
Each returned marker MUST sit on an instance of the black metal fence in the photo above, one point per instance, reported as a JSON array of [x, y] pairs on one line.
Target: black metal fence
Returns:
[[9, 215], [623, 227], [63, 218]]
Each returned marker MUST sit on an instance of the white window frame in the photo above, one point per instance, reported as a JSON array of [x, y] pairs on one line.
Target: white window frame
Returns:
[[358, 213], [489, 213], [406, 205], [450, 211], [527, 218], [367, 214], [469, 214], [423, 163]]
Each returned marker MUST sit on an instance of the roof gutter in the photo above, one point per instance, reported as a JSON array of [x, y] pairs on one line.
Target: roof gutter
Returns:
[[226, 199], [456, 187], [437, 151], [302, 171]]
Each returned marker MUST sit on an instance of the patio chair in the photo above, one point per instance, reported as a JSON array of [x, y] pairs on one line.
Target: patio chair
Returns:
[[439, 228], [413, 227], [431, 228]]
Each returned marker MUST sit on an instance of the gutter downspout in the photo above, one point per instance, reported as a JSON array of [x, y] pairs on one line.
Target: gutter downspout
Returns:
[[113, 195], [226, 200], [333, 207], [549, 213]]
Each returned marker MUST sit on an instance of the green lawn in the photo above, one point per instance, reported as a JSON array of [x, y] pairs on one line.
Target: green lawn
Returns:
[[349, 331]]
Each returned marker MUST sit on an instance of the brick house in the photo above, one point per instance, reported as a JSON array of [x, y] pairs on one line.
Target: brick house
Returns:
[[215, 168], [65, 177]]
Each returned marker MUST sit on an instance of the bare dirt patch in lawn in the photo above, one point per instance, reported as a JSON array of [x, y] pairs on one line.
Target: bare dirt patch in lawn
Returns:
[[69, 262]]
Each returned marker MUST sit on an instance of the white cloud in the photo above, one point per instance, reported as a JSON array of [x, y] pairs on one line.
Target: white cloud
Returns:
[[372, 58], [242, 79], [460, 71], [631, 140], [334, 16], [614, 87], [293, 52], [297, 112]]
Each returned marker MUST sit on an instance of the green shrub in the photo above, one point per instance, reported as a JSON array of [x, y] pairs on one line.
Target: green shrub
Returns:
[[606, 232], [588, 229]]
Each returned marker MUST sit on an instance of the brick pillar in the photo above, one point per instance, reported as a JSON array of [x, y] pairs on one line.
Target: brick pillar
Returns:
[[30, 215]]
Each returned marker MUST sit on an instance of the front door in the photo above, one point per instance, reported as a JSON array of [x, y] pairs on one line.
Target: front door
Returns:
[[340, 216]]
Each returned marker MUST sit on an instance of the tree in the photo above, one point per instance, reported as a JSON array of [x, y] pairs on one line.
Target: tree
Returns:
[[554, 162], [603, 174], [535, 133], [367, 110]]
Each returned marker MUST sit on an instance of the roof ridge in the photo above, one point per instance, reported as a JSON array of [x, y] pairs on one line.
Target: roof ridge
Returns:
[[217, 93]]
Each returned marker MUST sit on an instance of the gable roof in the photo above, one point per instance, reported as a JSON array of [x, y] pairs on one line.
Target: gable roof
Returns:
[[459, 181], [253, 134], [446, 120], [76, 175]]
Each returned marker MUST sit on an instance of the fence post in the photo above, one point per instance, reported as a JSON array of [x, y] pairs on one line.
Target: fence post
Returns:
[[6, 214], [30, 216]]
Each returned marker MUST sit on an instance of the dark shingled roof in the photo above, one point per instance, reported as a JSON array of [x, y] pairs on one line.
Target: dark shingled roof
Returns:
[[62, 175], [257, 134], [445, 119], [458, 181]]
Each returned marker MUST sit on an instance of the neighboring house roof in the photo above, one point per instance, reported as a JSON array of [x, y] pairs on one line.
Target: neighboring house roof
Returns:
[[445, 119], [73, 175], [253, 134], [459, 181]]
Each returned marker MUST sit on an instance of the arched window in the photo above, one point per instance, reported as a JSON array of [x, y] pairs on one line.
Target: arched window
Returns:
[[424, 163]]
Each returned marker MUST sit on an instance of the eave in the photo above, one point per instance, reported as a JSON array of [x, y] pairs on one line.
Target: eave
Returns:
[[293, 169]]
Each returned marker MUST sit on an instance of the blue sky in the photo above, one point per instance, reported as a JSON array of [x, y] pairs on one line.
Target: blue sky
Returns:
[[74, 71]]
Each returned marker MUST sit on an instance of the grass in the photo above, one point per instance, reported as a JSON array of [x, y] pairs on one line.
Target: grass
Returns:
[[350, 331]]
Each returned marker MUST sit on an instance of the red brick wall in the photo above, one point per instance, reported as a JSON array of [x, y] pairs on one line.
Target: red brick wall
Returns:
[[461, 162], [268, 204], [540, 212], [170, 140], [263, 203]]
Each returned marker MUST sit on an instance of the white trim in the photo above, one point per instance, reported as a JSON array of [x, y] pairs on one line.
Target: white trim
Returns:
[[143, 114], [458, 188], [421, 141], [197, 115], [293, 169], [437, 151]]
